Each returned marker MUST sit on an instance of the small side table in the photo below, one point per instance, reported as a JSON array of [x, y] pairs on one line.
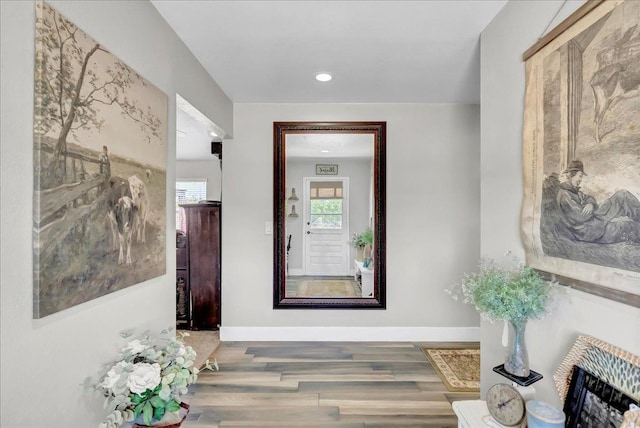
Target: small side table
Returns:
[[367, 278], [475, 414]]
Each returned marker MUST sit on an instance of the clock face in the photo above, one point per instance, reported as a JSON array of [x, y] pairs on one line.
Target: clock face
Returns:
[[505, 404]]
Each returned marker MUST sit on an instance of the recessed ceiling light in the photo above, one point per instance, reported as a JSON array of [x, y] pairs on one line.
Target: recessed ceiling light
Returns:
[[213, 134], [323, 77], [325, 151]]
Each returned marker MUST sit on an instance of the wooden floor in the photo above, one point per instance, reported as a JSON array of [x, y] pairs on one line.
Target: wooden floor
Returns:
[[323, 384]]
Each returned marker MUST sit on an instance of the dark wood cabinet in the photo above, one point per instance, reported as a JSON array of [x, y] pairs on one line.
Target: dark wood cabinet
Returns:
[[199, 267]]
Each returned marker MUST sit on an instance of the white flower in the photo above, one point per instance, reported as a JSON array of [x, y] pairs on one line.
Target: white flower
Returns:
[[144, 376], [113, 375], [182, 350], [135, 346]]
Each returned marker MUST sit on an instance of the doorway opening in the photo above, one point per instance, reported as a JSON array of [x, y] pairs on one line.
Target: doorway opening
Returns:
[[198, 219]]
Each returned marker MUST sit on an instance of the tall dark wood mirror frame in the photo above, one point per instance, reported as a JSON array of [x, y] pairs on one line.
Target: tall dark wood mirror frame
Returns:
[[280, 132]]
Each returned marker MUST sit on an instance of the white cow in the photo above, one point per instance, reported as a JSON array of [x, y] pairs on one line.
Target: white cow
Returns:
[[125, 213], [140, 200], [121, 213]]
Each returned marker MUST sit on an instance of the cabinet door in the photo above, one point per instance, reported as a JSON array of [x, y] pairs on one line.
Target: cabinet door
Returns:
[[203, 239]]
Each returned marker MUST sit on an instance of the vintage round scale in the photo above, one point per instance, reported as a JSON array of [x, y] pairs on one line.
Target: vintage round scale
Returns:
[[506, 405]]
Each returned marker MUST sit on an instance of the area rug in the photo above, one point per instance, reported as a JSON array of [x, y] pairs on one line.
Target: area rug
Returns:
[[326, 288], [204, 342], [459, 369]]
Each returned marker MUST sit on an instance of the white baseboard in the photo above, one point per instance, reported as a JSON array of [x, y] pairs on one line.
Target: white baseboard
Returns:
[[350, 334]]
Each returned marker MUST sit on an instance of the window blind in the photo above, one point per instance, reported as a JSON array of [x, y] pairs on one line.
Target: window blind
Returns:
[[326, 189]]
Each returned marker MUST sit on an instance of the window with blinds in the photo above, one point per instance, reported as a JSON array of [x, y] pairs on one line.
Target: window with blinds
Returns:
[[326, 189], [188, 192], [326, 204]]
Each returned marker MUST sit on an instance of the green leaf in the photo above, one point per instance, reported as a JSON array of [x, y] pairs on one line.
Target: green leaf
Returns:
[[137, 410], [165, 392], [158, 413], [137, 399], [173, 406], [157, 402], [147, 413]]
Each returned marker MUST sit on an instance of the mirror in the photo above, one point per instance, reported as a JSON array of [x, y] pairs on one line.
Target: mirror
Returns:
[[329, 185]]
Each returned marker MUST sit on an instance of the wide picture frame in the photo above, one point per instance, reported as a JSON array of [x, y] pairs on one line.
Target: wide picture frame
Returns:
[[100, 154], [592, 402], [581, 139]]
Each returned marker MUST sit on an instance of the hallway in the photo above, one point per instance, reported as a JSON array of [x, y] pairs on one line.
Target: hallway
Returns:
[[323, 384]]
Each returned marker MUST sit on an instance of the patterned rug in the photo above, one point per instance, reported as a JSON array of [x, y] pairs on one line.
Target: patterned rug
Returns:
[[204, 342], [327, 288], [459, 369]]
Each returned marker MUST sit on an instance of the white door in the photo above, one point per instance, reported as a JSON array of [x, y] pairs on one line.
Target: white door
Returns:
[[326, 226]]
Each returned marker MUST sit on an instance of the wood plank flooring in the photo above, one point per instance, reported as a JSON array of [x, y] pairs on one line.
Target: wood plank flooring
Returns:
[[322, 385]]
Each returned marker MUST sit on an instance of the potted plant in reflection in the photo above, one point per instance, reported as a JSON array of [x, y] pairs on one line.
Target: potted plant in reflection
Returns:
[[363, 243], [513, 294]]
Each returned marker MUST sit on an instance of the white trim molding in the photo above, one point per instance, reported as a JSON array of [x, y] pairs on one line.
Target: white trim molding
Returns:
[[350, 334]]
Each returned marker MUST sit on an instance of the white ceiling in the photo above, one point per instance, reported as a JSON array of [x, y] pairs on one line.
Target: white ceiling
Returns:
[[320, 146], [378, 51], [194, 133]]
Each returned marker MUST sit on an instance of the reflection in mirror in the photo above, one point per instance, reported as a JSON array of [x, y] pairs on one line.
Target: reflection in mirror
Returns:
[[329, 247]]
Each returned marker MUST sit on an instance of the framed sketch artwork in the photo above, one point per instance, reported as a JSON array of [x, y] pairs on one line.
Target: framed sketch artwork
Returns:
[[581, 152], [100, 147]]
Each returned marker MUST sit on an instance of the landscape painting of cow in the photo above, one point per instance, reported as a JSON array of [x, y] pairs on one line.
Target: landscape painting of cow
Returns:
[[100, 147], [581, 210]]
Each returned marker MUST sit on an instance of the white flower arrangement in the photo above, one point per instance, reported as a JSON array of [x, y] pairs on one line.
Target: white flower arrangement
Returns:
[[147, 379]]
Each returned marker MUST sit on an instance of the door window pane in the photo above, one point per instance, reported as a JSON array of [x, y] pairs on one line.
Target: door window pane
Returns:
[[326, 213]]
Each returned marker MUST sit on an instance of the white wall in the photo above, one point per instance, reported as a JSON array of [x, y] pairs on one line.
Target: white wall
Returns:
[[515, 29], [202, 169], [432, 224], [43, 362]]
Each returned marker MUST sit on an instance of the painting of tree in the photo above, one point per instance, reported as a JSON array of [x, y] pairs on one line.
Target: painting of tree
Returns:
[[99, 148]]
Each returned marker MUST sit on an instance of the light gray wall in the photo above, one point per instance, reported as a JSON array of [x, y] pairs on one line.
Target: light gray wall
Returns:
[[515, 29], [359, 173], [44, 362], [202, 169], [432, 214]]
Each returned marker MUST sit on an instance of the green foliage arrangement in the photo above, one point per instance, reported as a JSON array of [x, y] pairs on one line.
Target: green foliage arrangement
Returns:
[[359, 240], [147, 379], [513, 294]]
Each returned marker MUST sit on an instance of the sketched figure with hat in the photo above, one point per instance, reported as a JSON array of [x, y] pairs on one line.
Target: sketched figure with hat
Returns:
[[616, 219]]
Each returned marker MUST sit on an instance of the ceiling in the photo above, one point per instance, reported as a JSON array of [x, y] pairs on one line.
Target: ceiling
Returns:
[[319, 146], [194, 133], [378, 51]]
